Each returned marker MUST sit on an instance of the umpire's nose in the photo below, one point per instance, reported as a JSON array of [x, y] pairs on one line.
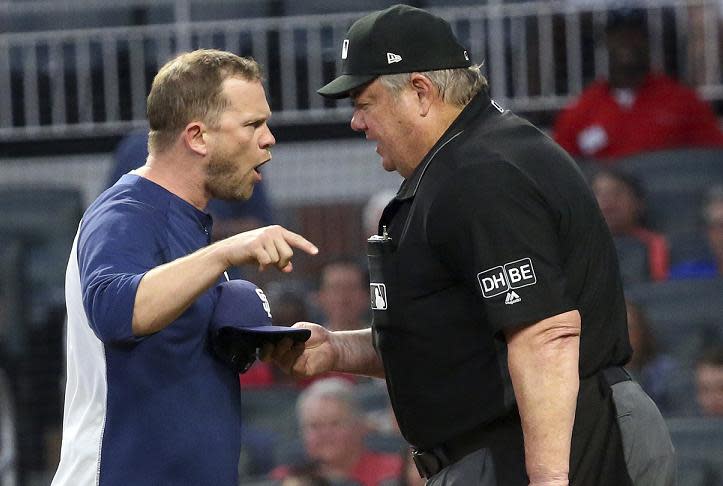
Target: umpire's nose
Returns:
[[357, 121]]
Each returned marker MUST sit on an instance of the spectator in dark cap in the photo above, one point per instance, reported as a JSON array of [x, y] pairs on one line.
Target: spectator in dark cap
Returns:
[[636, 109]]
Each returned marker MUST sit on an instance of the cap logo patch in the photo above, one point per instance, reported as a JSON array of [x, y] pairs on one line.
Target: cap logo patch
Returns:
[[501, 279], [264, 302], [466, 56], [344, 48], [392, 58], [378, 296]]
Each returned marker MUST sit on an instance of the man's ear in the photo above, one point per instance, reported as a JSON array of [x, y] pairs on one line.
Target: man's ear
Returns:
[[426, 92], [195, 138]]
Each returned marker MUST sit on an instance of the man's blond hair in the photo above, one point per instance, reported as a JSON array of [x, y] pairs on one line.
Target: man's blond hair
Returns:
[[456, 86], [188, 88]]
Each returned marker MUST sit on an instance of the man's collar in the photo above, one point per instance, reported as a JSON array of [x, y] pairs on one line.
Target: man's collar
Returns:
[[479, 105]]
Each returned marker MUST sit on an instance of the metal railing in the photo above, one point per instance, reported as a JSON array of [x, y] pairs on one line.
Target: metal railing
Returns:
[[537, 55]]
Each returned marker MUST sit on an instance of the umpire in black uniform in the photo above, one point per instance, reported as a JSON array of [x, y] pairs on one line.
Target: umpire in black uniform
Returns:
[[499, 321]]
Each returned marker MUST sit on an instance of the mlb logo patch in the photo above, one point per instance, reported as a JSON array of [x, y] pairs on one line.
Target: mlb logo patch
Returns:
[[512, 275], [378, 292]]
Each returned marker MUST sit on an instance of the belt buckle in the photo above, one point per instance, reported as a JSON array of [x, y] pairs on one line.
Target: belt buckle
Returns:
[[427, 462]]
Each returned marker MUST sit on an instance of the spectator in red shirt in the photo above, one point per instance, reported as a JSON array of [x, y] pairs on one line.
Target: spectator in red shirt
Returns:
[[333, 432], [635, 110], [622, 203]]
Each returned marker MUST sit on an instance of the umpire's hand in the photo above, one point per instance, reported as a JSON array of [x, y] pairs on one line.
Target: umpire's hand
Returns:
[[267, 246], [315, 356]]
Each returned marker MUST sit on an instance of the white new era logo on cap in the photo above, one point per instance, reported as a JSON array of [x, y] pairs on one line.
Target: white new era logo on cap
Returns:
[[392, 58]]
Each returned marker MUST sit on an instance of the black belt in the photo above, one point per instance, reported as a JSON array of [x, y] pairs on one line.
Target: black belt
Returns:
[[430, 461]]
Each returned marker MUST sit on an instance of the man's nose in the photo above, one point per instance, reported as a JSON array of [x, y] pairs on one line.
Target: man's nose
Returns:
[[267, 140], [357, 122]]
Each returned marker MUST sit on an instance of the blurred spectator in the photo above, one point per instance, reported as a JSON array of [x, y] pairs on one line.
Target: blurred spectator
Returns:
[[711, 266], [343, 295], [343, 298], [651, 368], [305, 475], [333, 434], [709, 381], [372, 211], [635, 110], [622, 202], [230, 217]]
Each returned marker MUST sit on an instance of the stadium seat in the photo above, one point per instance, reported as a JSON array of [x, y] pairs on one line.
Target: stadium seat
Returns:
[[686, 246], [698, 443], [696, 472], [670, 210], [683, 314], [633, 260], [684, 300], [45, 219], [676, 169], [7, 433], [272, 409], [674, 182], [13, 300]]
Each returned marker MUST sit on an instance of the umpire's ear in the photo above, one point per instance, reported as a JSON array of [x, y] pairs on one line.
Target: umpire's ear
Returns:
[[426, 92], [196, 137]]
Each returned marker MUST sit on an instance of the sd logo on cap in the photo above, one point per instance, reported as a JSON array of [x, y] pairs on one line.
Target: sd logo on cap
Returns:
[[241, 324]]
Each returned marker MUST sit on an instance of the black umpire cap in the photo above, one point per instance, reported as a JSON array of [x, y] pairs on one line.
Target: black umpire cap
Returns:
[[400, 39]]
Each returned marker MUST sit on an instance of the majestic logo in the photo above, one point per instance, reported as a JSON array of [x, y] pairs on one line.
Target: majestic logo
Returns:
[[512, 298], [378, 293], [264, 302], [513, 275], [392, 58], [344, 48]]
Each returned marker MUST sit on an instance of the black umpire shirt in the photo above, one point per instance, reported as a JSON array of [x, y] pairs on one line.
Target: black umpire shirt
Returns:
[[497, 228]]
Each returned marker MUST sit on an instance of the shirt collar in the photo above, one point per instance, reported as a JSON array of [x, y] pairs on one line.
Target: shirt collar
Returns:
[[479, 106]]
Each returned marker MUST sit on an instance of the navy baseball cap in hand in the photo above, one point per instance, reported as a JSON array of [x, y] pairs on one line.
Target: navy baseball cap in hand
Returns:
[[241, 324], [399, 39]]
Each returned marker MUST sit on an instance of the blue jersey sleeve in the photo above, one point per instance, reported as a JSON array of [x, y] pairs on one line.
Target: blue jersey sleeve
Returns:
[[118, 243]]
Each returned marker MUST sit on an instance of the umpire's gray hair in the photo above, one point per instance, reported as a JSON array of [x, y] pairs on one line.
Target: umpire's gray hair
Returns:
[[333, 388], [456, 86]]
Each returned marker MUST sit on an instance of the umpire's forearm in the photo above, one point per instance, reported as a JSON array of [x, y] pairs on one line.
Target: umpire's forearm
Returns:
[[166, 291], [543, 362], [355, 353]]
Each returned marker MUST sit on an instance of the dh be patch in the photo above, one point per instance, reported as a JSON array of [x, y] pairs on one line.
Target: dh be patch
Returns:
[[513, 275], [378, 293]]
